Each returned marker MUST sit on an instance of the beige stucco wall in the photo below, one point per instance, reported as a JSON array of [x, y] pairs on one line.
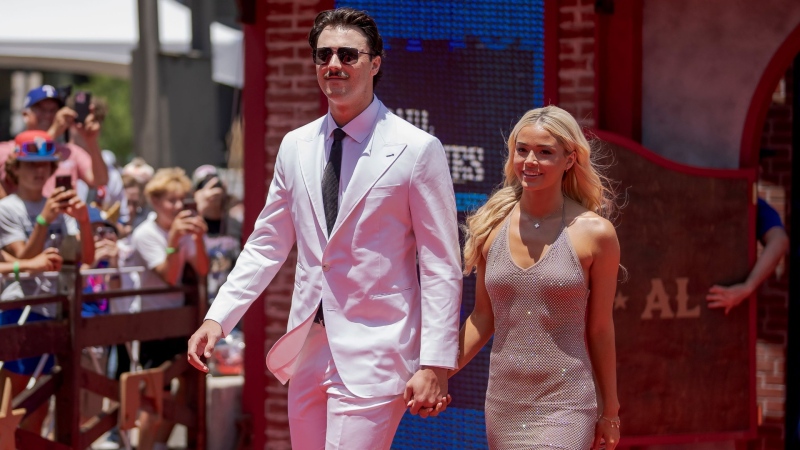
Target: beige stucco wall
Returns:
[[702, 60]]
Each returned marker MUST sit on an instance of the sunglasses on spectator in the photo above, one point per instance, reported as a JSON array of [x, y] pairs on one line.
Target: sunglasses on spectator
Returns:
[[37, 148], [105, 231], [346, 55]]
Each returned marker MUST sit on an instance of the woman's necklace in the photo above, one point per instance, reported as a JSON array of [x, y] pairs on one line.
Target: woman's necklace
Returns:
[[537, 221]]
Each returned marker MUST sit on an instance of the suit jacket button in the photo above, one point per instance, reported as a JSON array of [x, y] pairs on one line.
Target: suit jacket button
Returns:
[[326, 267]]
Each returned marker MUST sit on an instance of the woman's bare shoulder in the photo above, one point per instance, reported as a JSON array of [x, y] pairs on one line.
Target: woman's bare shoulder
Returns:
[[590, 224]]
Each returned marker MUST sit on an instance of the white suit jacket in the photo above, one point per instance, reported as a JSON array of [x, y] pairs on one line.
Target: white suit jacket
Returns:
[[382, 318]]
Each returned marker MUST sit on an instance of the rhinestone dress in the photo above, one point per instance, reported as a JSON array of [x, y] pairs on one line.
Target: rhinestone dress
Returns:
[[541, 392]]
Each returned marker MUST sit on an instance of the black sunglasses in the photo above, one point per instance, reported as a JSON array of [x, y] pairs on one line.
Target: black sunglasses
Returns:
[[346, 55]]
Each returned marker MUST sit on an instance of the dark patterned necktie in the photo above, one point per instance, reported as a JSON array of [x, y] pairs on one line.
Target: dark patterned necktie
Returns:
[[330, 180]]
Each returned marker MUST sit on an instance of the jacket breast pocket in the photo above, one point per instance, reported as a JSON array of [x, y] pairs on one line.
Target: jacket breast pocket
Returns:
[[393, 306], [384, 191]]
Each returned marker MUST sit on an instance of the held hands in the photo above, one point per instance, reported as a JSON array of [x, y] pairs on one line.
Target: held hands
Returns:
[[727, 297], [202, 342], [606, 430], [426, 392]]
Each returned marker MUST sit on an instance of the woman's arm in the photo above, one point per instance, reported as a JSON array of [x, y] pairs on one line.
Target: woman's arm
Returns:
[[479, 326], [170, 269], [200, 261], [600, 327]]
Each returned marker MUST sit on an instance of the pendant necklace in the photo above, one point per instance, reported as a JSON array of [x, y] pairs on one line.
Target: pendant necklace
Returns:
[[537, 221]]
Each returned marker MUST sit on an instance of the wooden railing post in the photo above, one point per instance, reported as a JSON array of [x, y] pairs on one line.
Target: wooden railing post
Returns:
[[69, 333], [196, 380], [67, 418]]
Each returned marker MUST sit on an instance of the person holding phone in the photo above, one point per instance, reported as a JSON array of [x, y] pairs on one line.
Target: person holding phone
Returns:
[[28, 219], [164, 244], [80, 159], [223, 240]]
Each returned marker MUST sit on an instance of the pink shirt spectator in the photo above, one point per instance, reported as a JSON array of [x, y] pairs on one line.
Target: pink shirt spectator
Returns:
[[75, 162]]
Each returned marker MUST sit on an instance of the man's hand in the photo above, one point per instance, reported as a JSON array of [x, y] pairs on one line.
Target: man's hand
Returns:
[[209, 197], [202, 343], [56, 203], [727, 297], [75, 207], [426, 392], [64, 119], [90, 128]]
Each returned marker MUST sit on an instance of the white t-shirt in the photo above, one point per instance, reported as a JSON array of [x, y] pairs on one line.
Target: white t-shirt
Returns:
[[150, 250], [17, 220]]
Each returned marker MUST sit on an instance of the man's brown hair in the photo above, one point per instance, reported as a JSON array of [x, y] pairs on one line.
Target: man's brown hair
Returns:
[[349, 17]]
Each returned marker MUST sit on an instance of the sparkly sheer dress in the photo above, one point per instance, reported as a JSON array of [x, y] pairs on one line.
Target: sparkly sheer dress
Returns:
[[541, 392]]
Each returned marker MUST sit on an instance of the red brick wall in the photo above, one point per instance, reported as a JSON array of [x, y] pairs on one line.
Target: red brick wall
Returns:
[[292, 100], [773, 296], [576, 59]]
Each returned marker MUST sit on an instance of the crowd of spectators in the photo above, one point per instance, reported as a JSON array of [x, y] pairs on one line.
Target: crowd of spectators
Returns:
[[63, 199]]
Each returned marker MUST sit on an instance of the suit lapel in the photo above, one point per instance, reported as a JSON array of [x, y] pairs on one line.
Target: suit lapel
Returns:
[[308, 154], [370, 167]]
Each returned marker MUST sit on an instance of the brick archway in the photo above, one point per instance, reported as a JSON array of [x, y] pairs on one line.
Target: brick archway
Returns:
[[767, 143], [759, 105]]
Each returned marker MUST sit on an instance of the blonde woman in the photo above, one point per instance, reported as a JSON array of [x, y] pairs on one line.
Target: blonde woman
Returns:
[[546, 262]]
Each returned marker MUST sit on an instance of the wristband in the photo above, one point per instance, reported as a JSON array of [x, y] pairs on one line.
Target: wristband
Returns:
[[171, 250], [42, 221], [16, 270]]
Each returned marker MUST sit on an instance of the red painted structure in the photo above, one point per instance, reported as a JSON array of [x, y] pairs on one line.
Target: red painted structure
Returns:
[[255, 191]]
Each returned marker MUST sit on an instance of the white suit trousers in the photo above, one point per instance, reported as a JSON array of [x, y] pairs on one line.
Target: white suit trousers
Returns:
[[324, 414]]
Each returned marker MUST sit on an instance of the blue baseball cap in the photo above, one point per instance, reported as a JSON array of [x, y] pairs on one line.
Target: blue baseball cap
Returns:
[[96, 217], [40, 93]]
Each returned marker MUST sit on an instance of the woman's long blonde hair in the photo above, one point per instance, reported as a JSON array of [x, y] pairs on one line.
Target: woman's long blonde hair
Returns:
[[583, 182]]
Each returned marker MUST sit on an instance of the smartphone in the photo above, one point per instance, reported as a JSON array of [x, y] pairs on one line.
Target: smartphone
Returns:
[[82, 101], [190, 205], [64, 181]]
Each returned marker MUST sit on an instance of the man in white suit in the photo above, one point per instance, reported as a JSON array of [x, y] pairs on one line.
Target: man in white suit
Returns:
[[368, 335]]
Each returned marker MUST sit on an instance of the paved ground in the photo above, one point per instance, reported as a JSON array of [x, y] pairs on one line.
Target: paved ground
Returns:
[[177, 441]]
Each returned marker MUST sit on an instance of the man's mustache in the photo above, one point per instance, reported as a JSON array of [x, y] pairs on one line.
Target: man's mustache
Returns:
[[339, 74]]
